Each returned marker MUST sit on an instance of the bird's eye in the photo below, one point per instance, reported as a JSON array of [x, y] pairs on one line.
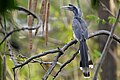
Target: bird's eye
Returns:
[[70, 5]]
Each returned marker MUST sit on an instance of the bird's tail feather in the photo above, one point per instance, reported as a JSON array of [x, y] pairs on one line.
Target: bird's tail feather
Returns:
[[85, 62]]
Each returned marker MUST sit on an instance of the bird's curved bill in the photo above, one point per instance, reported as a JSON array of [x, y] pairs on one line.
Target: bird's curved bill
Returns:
[[65, 7]]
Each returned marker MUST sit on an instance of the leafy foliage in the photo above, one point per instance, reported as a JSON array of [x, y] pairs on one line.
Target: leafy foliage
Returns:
[[91, 17], [7, 5], [97, 19]]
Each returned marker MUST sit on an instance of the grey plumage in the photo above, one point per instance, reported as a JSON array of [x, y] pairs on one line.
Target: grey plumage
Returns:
[[80, 33]]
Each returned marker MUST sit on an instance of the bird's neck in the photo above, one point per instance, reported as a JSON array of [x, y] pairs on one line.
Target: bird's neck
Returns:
[[75, 12], [77, 17]]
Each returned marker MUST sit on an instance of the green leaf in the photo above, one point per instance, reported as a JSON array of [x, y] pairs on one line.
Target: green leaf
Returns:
[[97, 54], [103, 21], [112, 20], [98, 20], [91, 17]]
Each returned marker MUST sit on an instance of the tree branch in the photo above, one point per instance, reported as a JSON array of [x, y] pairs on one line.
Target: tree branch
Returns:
[[104, 32], [45, 63], [16, 30], [52, 66], [107, 45], [57, 57], [31, 13], [67, 62], [36, 56], [105, 8]]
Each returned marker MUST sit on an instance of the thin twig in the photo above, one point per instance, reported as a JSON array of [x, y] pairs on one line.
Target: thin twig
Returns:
[[45, 63], [105, 8], [64, 64], [106, 48], [104, 32], [27, 11], [52, 66], [43, 67], [16, 30], [36, 56], [38, 61]]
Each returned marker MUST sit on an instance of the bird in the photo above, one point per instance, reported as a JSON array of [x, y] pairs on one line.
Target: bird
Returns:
[[80, 33]]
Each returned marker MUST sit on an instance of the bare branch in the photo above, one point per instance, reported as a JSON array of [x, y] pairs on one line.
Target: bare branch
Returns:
[[57, 57], [27, 11], [105, 8], [38, 61], [104, 32], [16, 30], [31, 13], [36, 56], [107, 45], [52, 66], [67, 62]]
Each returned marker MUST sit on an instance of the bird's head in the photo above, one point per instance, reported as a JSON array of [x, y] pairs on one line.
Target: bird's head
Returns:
[[74, 9]]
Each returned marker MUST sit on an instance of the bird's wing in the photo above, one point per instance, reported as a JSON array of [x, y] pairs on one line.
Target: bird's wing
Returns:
[[84, 28], [78, 32]]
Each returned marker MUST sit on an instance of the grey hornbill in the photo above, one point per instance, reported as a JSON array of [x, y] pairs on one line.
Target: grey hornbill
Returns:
[[80, 33]]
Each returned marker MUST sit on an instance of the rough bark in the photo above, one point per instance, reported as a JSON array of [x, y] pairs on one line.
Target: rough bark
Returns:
[[109, 64]]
